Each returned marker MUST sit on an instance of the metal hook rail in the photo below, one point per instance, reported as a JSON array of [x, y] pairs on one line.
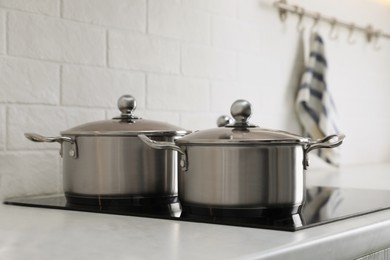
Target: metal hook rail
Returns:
[[372, 34]]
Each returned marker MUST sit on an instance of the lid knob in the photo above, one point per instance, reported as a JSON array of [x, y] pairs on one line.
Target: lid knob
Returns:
[[127, 104], [224, 120], [241, 111]]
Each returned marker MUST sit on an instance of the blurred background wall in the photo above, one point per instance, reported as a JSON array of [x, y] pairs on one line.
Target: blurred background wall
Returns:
[[66, 62]]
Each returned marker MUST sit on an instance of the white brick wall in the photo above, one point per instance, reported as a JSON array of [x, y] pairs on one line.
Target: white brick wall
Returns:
[[226, 33], [45, 7], [65, 62], [2, 32], [172, 19], [137, 51], [221, 99], [235, 34], [120, 14], [48, 38], [208, 62], [177, 93], [28, 81], [84, 86], [2, 129], [220, 7]]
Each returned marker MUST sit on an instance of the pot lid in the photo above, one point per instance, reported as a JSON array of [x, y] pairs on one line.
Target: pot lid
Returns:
[[126, 124], [240, 130]]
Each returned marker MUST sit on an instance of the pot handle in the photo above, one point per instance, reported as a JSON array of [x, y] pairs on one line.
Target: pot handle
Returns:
[[59, 139], [159, 145], [329, 141], [39, 138]]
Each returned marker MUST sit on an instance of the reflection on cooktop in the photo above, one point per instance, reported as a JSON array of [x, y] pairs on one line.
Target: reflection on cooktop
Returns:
[[323, 205]]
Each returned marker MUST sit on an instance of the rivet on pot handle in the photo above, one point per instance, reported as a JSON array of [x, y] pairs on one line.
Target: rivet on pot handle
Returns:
[[60, 139], [166, 146], [330, 141]]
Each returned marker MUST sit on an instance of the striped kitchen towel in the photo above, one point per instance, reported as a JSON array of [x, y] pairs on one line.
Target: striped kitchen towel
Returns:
[[314, 104]]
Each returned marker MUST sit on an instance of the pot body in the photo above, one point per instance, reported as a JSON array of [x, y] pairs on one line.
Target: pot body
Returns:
[[119, 166], [243, 176]]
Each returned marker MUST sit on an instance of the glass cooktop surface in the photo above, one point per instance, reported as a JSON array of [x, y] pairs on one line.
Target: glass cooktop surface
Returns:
[[323, 205]]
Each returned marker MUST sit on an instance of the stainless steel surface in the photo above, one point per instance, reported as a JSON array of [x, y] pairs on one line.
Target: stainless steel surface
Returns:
[[126, 124], [240, 176], [120, 166], [224, 120], [127, 104], [241, 111], [243, 166], [116, 165], [160, 145], [166, 146], [39, 138], [73, 152], [106, 158], [330, 141], [241, 131], [233, 136], [243, 176]]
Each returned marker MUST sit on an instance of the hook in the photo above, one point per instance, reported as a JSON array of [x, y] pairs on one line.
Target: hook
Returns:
[[282, 11], [377, 35], [333, 33], [315, 22], [301, 12], [370, 33], [351, 29]]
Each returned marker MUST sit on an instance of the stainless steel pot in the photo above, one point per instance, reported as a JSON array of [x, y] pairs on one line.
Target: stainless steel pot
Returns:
[[242, 166], [107, 159]]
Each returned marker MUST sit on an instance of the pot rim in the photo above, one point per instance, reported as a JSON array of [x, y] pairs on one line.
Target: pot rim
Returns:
[[212, 142], [125, 133], [245, 135]]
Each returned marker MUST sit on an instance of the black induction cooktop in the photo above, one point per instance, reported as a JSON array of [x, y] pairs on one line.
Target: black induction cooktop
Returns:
[[323, 205]]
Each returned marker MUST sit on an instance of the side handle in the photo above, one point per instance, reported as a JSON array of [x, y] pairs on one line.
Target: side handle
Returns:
[[39, 138], [73, 152], [329, 141], [166, 146]]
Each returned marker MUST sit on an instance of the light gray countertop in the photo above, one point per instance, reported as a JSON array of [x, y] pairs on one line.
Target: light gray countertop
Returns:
[[34, 233]]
